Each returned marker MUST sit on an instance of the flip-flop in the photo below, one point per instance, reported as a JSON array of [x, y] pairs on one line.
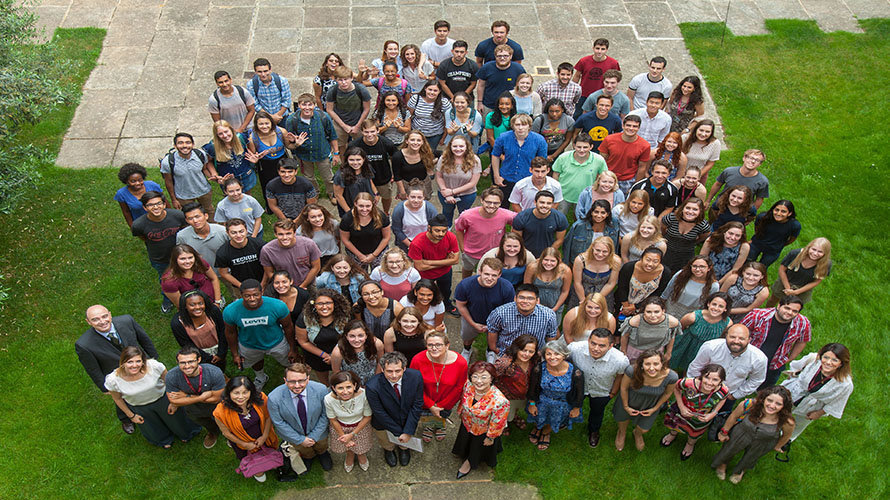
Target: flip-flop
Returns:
[[684, 455], [673, 437]]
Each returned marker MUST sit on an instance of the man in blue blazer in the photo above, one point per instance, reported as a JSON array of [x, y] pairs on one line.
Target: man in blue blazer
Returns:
[[299, 416], [99, 348], [396, 399]]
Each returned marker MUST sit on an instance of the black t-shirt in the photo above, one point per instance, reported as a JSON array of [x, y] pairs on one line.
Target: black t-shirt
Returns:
[[458, 78], [243, 263], [661, 198], [404, 171], [361, 185], [302, 297], [775, 235], [378, 157], [365, 238], [774, 338], [160, 237], [291, 198], [802, 276]]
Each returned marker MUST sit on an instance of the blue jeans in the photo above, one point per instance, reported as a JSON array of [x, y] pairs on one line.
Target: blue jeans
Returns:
[[578, 112], [434, 141], [466, 201], [160, 267]]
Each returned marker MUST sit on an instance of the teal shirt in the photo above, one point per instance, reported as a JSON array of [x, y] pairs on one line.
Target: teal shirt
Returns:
[[257, 328], [505, 125], [574, 177]]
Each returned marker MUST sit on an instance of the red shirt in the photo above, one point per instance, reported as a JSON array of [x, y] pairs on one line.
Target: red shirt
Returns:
[[624, 156], [592, 73], [422, 248], [451, 379]]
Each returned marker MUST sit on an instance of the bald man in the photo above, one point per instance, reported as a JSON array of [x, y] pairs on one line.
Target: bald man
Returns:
[[99, 348]]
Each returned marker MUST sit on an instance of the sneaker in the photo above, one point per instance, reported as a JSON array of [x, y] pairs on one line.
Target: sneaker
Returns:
[[450, 309], [261, 478], [466, 353], [260, 380], [491, 356], [166, 307], [210, 440]]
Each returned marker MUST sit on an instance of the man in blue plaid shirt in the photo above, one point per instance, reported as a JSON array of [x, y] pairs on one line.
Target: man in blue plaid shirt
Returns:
[[524, 315], [270, 91]]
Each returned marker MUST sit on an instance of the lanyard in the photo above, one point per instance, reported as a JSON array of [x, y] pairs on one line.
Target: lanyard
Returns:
[[200, 382]]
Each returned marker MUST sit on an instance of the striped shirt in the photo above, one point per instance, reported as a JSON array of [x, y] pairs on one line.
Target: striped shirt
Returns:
[[421, 118]]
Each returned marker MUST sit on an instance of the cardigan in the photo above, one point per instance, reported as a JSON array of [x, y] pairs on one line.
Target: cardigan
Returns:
[[229, 418], [183, 339], [486, 416], [832, 397]]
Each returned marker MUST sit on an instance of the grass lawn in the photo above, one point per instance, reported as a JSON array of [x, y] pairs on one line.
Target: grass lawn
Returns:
[[789, 93]]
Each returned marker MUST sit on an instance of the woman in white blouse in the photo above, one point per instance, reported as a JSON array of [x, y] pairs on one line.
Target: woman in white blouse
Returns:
[[138, 389], [820, 384], [349, 413]]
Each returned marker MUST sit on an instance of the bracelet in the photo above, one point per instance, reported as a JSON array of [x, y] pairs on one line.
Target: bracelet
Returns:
[[131, 417], [335, 153], [724, 431], [531, 403]]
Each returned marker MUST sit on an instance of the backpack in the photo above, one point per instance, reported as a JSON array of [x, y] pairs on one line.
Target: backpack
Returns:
[[171, 158], [240, 90], [256, 85], [404, 88]]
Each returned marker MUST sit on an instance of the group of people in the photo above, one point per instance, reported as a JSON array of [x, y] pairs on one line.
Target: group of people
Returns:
[[622, 304]]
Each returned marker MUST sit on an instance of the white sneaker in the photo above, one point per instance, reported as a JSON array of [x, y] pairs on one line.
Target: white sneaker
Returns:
[[261, 478], [466, 353], [491, 356], [260, 380]]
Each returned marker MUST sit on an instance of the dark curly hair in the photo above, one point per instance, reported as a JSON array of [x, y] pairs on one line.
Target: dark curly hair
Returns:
[[342, 309], [756, 413], [128, 169]]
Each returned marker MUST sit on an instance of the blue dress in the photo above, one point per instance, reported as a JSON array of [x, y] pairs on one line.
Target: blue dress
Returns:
[[553, 406], [724, 260]]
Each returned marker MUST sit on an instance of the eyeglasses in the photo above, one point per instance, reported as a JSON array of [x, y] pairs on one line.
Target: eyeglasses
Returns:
[[370, 294], [324, 304], [189, 362], [435, 346], [481, 377], [155, 204]]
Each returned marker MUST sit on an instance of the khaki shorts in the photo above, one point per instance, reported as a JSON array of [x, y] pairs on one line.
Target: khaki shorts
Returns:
[[385, 191], [254, 356], [468, 263]]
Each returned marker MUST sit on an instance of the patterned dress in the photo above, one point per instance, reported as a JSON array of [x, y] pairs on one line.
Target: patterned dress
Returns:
[[698, 402], [363, 367], [742, 297], [724, 260], [687, 345], [552, 403]]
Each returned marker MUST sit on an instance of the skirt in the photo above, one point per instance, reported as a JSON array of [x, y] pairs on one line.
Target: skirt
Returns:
[[471, 448], [363, 440]]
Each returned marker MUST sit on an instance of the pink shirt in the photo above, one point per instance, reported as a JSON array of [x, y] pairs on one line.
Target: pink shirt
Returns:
[[482, 234]]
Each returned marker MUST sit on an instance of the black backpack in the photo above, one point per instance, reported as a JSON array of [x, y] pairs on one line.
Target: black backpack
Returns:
[[240, 90], [171, 158]]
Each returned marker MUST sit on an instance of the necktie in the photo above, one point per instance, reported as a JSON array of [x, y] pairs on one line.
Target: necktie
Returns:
[[301, 411], [115, 339], [398, 393]]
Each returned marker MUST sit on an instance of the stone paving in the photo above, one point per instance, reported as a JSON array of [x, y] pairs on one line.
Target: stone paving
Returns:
[[153, 77]]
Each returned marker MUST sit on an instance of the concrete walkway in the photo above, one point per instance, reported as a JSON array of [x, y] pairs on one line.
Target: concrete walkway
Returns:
[[155, 72]]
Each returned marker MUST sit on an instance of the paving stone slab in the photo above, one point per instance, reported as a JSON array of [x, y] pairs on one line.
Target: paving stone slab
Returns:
[[867, 9], [309, 63], [86, 153], [199, 91], [100, 115], [144, 150], [326, 17], [121, 31], [152, 122], [276, 40], [228, 25], [49, 18], [419, 16], [196, 121], [380, 492], [324, 40], [279, 17], [623, 46], [175, 47], [781, 9], [695, 11], [474, 489], [233, 3], [562, 21], [283, 63], [184, 15], [368, 39], [653, 20], [51, 3], [604, 12], [211, 59], [516, 14], [830, 16], [110, 77], [465, 15], [160, 87], [744, 18], [415, 35], [87, 16], [376, 17]]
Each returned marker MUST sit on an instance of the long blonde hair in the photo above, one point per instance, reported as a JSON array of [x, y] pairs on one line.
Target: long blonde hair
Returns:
[[614, 263], [426, 153], [821, 270], [578, 326], [221, 149], [539, 264], [376, 217], [636, 239], [641, 195], [449, 166]]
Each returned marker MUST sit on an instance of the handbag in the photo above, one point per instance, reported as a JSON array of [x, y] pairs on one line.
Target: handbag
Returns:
[[720, 420], [265, 459]]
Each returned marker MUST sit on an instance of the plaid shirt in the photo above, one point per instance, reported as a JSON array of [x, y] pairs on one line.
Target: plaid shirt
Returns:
[[268, 98], [758, 322], [569, 94], [508, 323], [320, 130]]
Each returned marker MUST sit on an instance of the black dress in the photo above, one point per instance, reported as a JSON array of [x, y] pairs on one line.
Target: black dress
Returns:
[[326, 340], [409, 345]]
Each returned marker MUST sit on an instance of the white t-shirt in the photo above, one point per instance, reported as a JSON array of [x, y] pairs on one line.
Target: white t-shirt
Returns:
[[642, 86], [435, 52], [627, 223], [411, 274], [414, 223], [524, 192], [431, 313]]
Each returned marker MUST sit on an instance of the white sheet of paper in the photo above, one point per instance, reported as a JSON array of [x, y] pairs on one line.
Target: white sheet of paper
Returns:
[[413, 444]]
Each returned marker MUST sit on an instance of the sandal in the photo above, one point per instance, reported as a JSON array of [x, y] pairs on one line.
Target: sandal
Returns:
[[427, 435], [440, 434], [544, 442], [506, 431], [534, 436], [684, 455], [668, 439], [520, 424]]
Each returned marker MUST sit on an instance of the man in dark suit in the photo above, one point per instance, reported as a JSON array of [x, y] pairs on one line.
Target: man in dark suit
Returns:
[[99, 348], [396, 399]]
